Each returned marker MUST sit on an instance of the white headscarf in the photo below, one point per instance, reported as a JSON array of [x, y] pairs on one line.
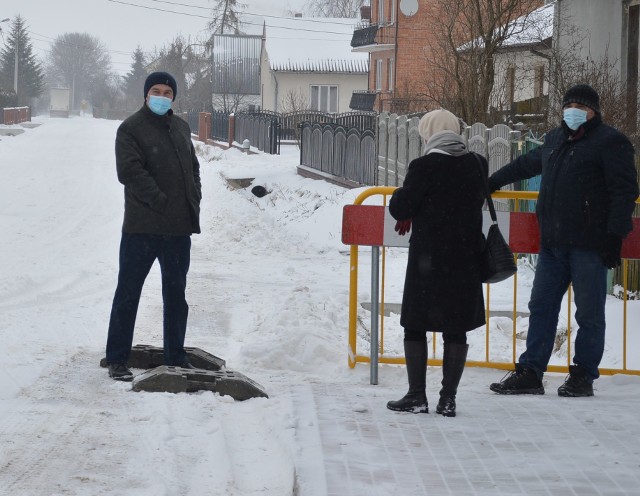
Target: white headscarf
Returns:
[[440, 130], [436, 121]]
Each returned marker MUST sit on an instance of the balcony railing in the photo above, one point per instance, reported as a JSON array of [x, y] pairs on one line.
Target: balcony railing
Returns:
[[364, 36], [362, 100]]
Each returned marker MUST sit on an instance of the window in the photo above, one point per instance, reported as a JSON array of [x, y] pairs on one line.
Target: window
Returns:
[[381, 18], [324, 98], [379, 75], [392, 12], [390, 73]]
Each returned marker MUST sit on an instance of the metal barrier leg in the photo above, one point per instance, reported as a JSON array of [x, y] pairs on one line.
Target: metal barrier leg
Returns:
[[375, 292]]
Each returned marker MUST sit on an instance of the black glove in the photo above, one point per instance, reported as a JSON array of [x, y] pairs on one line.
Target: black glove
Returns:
[[403, 227], [610, 252]]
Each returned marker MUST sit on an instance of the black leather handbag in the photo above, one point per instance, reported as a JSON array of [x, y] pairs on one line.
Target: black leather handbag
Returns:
[[497, 262]]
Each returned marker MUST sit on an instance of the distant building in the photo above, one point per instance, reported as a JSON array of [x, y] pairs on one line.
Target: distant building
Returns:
[[521, 87], [292, 64], [308, 63], [390, 34], [236, 72]]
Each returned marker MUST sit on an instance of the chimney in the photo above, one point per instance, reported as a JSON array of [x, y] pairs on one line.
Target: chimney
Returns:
[[365, 13]]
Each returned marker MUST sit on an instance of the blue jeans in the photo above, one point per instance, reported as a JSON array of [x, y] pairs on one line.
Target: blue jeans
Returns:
[[556, 269], [138, 252]]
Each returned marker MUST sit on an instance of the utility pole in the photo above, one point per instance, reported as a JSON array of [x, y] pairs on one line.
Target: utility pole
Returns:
[[15, 70]]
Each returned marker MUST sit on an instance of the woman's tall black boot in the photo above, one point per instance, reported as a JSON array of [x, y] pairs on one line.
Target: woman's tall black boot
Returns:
[[454, 357], [415, 401]]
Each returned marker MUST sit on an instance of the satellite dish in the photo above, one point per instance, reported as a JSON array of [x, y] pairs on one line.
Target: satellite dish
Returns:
[[408, 7]]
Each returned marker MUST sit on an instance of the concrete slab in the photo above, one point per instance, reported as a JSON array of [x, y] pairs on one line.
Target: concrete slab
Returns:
[[178, 380], [11, 131], [144, 356]]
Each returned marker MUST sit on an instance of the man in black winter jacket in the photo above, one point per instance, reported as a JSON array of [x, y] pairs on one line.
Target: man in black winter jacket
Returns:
[[587, 195], [157, 164]]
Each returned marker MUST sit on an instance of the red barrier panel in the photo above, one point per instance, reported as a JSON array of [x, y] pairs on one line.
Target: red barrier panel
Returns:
[[363, 225], [524, 235], [371, 225]]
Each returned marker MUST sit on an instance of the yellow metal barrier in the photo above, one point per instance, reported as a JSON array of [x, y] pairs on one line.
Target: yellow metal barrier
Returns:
[[354, 357]]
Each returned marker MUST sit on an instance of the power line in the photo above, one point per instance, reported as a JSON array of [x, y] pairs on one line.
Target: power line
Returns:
[[156, 8], [306, 19], [242, 22]]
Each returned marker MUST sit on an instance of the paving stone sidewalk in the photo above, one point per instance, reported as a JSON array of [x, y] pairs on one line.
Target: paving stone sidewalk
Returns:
[[497, 445]]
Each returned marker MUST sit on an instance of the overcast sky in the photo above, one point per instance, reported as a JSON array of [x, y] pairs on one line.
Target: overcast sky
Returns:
[[122, 25]]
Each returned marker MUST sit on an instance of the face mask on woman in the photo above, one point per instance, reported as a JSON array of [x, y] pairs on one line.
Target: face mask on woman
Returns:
[[159, 104], [574, 117]]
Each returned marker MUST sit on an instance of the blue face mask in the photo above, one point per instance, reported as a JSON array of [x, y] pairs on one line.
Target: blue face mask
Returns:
[[574, 117], [159, 104]]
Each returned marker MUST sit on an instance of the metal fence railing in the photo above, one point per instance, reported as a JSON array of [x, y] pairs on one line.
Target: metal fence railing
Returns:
[[193, 119], [262, 129], [219, 126], [341, 152]]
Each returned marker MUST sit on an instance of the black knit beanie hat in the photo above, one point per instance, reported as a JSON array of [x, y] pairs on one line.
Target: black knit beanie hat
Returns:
[[583, 94], [160, 78]]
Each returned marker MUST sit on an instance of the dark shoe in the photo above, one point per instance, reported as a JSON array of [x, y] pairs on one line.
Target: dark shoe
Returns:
[[454, 358], [187, 365], [415, 401], [446, 406], [120, 372], [520, 381], [410, 403], [577, 384]]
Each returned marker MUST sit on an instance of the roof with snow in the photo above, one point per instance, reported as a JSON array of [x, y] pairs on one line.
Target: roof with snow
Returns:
[[526, 30], [533, 28], [296, 44]]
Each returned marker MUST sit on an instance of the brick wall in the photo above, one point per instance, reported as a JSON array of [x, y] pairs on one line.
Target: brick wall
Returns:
[[411, 38]]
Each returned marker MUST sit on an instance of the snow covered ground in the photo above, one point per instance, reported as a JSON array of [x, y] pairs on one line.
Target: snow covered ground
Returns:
[[268, 291]]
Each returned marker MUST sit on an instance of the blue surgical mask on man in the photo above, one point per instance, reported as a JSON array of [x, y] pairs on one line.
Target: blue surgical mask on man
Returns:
[[574, 117], [159, 104]]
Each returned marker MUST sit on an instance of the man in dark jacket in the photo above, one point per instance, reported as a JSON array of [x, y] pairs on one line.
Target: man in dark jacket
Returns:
[[157, 165], [587, 195]]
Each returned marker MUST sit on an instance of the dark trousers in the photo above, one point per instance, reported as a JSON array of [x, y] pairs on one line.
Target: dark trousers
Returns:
[[138, 252], [556, 269]]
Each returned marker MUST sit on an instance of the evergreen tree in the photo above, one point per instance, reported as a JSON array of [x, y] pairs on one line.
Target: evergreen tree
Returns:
[[225, 17], [134, 79], [31, 82]]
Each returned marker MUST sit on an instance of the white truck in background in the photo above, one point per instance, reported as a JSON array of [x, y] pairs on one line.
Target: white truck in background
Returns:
[[59, 102]]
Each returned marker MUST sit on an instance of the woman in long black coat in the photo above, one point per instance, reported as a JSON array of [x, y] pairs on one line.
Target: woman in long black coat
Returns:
[[440, 202]]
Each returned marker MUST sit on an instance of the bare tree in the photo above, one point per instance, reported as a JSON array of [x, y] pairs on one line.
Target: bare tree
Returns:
[[460, 55], [335, 8], [80, 62], [189, 63], [229, 103], [294, 102]]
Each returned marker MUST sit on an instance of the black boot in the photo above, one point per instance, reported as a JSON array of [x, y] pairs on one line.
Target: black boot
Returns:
[[454, 357], [415, 401]]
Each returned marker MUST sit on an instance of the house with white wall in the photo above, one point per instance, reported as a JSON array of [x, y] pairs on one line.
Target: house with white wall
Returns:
[[521, 67], [307, 63]]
